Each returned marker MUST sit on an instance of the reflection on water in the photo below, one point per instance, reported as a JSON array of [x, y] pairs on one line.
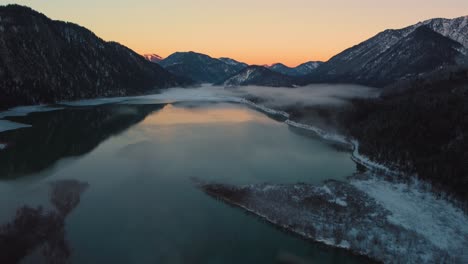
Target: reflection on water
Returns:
[[35, 229], [61, 134], [176, 115], [143, 206]]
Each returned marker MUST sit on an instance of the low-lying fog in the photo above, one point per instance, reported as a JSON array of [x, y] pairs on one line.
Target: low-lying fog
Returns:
[[273, 97], [311, 95]]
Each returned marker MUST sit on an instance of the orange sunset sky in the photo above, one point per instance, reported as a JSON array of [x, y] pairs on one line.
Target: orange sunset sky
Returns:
[[253, 31]]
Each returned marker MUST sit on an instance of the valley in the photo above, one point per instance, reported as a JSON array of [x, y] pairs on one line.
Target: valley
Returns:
[[114, 156]]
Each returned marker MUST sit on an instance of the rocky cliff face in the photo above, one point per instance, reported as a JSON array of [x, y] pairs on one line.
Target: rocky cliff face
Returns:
[[45, 61]]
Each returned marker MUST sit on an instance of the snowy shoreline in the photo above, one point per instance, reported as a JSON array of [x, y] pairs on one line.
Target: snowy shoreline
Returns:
[[6, 125], [355, 155], [416, 228]]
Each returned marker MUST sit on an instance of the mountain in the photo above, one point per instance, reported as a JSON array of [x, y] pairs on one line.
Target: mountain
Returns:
[[455, 29], [199, 67], [45, 61], [238, 65], [153, 57], [394, 55], [301, 70], [308, 67], [259, 75]]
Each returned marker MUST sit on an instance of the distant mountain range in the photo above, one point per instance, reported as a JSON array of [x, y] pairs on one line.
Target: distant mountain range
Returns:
[[45, 61], [393, 55], [205, 69], [388, 57], [200, 67], [276, 75], [301, 70]]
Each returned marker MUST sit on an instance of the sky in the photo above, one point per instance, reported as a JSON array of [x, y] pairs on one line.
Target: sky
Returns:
[[252, 31]]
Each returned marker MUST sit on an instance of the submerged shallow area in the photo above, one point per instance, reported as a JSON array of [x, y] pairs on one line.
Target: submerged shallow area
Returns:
[[139, 161]]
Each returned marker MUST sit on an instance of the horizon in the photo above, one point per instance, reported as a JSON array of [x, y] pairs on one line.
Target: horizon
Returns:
[[217, 29]]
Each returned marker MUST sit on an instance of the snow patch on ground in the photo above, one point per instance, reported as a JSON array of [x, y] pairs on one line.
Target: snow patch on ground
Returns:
[[341, 202], [95, 102], [368, 163], [264, 108], [320, 132], [6, 125], [435, 219], [327, 190], [341, 214], [25, 110]]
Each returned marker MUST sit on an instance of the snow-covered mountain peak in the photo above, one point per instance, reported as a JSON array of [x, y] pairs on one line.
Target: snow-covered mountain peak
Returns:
[[455, 29], [153, 57]]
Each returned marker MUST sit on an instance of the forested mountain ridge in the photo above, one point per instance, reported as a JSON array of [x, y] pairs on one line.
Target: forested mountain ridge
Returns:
[[420, 127], [200, 67], [46, 61], [395, 55]]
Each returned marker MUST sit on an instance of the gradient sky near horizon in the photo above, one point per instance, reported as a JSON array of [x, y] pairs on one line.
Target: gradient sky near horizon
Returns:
[[253, 31]]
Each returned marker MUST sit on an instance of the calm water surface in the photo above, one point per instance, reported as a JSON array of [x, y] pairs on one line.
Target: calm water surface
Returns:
[[141, 204]]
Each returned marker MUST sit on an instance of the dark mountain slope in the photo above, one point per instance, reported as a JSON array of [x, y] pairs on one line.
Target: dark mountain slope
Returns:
[[421, 51], [45, 61], [259, 75], [199, 67], [393, 55], [236, 64], [301, 70]]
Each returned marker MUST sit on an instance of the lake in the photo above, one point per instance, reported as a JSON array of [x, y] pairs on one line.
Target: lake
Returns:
[[141, 163]]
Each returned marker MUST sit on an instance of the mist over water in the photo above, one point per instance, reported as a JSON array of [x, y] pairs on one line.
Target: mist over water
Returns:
[[273, 97], [311, 95]]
